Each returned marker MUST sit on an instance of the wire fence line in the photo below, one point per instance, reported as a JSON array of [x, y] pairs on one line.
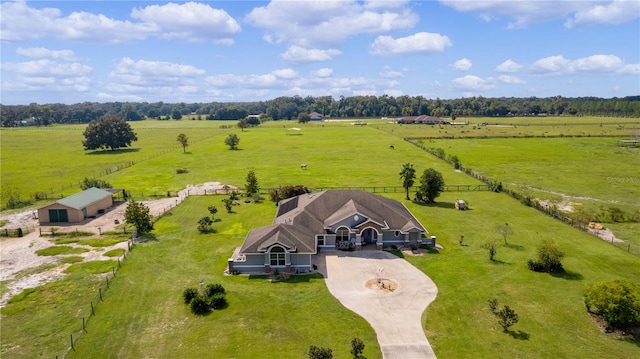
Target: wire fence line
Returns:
[[496, 186], [85, 315]]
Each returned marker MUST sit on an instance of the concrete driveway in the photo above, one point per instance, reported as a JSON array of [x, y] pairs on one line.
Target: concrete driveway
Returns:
[[395, 316]]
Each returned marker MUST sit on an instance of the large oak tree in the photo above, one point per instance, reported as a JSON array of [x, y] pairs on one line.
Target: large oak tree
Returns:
[[108, 132]]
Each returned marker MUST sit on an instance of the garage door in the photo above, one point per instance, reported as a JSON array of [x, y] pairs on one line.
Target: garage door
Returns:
[[58, 215]]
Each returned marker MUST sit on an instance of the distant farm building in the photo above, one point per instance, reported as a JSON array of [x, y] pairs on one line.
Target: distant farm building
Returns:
[[77, 207], [423, 119], [314, 116]]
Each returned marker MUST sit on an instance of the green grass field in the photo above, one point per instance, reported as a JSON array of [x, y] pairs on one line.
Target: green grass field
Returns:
[[142, 314]]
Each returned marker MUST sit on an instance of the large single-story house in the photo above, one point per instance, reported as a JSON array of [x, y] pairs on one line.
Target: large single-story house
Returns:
[[331, 219], [422, 119], [77, 207]]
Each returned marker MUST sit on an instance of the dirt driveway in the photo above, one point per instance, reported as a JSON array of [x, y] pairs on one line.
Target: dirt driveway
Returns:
[[22, 268], [395, 310]]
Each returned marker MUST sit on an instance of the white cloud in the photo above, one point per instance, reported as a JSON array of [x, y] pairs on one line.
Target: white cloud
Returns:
[[21, 22], [47, 67], [463, 64], [524, 13], [510, 80], [389, 74], [145, 73], [323, 72], [509, 66], [43, 53], [191, 21], [422, 42], [285, 73], [300, 55], [613, 13], [314, 24], [594, 64], [472, 83]]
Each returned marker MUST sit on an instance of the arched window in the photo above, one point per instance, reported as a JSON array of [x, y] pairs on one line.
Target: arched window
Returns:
[[342, 234], [276, 256]]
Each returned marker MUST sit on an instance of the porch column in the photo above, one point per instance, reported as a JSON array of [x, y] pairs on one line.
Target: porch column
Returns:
[[358, 241]]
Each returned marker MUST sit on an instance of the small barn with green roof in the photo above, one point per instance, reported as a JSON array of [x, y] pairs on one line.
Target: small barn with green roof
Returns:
[[77, 207]]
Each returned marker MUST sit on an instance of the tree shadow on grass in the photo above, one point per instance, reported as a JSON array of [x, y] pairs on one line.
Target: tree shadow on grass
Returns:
[[517, 247], [114, 152], [499, 262], [518, 334], [568, 275], [446, 205]]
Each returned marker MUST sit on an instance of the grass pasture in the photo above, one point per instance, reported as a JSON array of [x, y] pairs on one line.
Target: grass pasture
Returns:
[[142, 314]]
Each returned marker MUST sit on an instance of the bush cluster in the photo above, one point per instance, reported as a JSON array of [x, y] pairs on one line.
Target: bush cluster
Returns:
[[617, 302], [182, 170], [212, 297]]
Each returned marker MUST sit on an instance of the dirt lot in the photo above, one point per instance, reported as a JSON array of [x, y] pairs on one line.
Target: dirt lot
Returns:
[[22, 268]]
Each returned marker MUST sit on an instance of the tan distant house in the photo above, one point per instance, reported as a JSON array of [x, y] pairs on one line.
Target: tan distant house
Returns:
[[77, 207], [314, 116]]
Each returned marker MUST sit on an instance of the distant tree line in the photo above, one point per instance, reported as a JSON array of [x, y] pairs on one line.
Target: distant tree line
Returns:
[[288, 108]]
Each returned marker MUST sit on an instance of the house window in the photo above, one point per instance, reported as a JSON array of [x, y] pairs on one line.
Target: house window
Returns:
[[397, 233], [342, 234], [277, 256], [321, 240]]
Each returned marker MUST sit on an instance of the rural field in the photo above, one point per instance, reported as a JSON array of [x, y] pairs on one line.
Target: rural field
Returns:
[[578, 164]]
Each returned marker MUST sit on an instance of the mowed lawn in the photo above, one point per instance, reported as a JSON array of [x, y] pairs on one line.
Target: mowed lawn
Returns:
[[595, 168], [52, 159], [143, 314]]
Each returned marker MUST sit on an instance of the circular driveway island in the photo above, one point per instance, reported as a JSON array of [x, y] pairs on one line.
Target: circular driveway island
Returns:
[[394, 307]]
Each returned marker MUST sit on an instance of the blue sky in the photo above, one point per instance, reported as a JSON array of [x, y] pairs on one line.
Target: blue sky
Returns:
[[204, 51]]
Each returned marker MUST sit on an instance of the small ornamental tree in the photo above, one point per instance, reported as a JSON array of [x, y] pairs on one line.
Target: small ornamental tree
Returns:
[[213, 210], [189, 294], [232, 141], [138, 215], [492, 248], [505, 231], [252, 185], [204, 224], [357, 347], [108, 132], [184, 142], [228, 204], [431, 184], [242, 124], [507, 317]]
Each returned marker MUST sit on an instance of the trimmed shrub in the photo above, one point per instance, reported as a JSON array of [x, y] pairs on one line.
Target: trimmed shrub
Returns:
[[189, 294], [218, 301], [212, 289], [200, 305], [535, 265]]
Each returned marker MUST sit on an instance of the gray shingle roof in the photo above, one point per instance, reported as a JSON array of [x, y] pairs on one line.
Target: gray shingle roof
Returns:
[[310, 214]]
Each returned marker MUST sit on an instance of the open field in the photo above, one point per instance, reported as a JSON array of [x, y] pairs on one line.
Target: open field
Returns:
[[143, 316]]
